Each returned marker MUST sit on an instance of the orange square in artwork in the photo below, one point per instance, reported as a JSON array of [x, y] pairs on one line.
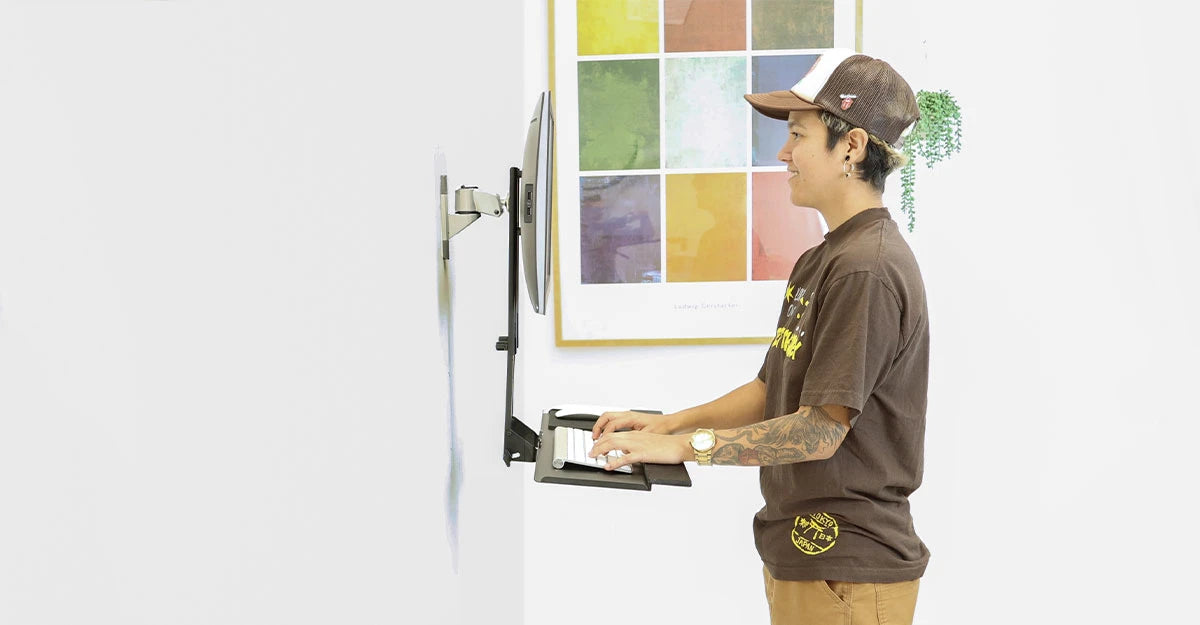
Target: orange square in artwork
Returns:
[[704, 25]]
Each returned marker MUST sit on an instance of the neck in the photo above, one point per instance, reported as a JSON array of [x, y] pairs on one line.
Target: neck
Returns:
[[862, 197]]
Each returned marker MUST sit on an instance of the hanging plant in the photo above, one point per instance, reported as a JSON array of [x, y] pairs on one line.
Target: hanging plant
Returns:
[[936, 136]]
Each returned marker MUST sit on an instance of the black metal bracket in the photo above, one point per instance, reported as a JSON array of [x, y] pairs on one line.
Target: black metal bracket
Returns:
[[520, 443]]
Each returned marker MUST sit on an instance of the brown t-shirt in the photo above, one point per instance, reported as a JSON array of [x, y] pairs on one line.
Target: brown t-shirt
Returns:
[[853, 331]]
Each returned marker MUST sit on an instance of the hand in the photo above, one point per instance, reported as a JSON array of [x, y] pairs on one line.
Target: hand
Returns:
[[643, 447], [629, 420]]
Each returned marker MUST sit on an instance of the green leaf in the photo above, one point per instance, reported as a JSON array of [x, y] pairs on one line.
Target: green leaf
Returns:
[[935, 136]]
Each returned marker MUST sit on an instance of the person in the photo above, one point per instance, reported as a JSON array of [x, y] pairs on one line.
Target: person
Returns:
[[835, 418]]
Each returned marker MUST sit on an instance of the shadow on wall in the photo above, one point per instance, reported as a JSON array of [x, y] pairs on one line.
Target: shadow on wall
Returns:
[[445, 327]]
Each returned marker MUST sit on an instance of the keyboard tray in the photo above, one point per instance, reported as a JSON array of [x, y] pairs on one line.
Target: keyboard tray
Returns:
[[643, 477]]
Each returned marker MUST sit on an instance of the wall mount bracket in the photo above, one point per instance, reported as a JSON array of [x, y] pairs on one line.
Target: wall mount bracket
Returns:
[[469, 204]]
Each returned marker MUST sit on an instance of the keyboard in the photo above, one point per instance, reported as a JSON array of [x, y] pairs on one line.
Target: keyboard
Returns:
[[571, 446]]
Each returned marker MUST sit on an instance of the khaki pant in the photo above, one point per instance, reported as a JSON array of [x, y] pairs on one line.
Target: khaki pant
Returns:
[[840, 603]]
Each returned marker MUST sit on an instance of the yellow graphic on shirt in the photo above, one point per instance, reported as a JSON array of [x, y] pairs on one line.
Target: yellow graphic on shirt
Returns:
[[790, 339], [815, 533]]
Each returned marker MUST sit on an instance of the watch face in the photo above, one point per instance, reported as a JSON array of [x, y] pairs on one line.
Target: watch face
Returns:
[[703, 441]]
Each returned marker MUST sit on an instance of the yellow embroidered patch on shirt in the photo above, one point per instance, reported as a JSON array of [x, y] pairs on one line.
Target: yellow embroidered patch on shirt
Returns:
[[815, 533]]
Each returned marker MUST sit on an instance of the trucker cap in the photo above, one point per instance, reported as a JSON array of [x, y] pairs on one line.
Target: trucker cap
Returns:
[[861, 90]]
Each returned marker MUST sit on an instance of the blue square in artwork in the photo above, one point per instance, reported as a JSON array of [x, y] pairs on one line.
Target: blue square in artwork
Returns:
[[774, 73]]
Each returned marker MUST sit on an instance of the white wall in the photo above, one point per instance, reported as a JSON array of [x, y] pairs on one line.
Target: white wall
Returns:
[[1058, 252], [220, 346], [223, 396]]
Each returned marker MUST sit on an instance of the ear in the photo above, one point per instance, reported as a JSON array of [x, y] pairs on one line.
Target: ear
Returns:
[[856, 142]]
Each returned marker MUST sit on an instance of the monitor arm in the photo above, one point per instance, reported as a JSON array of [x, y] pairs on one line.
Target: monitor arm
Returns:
[[469, 204], [520, 441]]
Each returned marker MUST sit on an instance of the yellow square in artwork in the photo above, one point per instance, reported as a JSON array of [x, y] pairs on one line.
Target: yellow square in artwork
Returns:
[[617, 26], [706, 227]]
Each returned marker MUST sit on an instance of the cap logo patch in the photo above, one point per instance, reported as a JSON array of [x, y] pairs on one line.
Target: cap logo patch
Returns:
[[847, 100]]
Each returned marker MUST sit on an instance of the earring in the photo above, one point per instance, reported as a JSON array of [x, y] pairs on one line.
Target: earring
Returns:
[[847, 170]]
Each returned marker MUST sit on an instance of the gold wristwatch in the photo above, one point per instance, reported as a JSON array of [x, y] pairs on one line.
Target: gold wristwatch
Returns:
[[703, 440]]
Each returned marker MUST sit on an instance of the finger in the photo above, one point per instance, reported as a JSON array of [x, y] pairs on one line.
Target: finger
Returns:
[[616, 423], [619, 461], [600, 448], [598, 428], [607, 443]]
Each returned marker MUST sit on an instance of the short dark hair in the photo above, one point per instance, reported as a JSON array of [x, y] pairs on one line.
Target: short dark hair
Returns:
[[881, 159]]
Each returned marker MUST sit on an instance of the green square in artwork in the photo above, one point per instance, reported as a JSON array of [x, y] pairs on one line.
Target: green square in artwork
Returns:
[[618, 115]]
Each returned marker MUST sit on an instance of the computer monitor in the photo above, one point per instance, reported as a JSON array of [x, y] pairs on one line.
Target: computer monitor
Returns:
[[537, 178], [530, 207]]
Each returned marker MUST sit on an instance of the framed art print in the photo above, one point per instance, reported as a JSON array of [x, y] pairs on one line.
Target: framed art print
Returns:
[[673, 220]]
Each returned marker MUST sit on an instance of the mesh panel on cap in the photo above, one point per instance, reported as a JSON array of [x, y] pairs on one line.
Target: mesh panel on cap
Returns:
[[884, 104]]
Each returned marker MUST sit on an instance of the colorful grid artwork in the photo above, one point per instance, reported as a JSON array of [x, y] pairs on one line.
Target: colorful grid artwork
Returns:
[[673, 213]]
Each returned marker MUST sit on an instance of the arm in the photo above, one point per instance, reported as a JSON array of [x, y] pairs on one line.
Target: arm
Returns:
[[741, 406], [811, 433]]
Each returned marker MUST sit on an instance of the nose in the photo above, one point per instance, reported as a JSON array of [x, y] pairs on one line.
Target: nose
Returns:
[[784, 154]]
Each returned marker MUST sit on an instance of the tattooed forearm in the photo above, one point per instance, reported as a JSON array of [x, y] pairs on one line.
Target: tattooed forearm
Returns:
[[810, 434]]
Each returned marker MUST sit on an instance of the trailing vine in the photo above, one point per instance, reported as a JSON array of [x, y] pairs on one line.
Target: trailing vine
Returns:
[[936, 136]]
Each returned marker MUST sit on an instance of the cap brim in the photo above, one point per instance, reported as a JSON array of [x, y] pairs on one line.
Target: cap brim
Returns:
[[777, 104]]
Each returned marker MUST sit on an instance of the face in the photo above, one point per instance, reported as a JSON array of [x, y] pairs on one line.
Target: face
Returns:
[[814, 169]]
